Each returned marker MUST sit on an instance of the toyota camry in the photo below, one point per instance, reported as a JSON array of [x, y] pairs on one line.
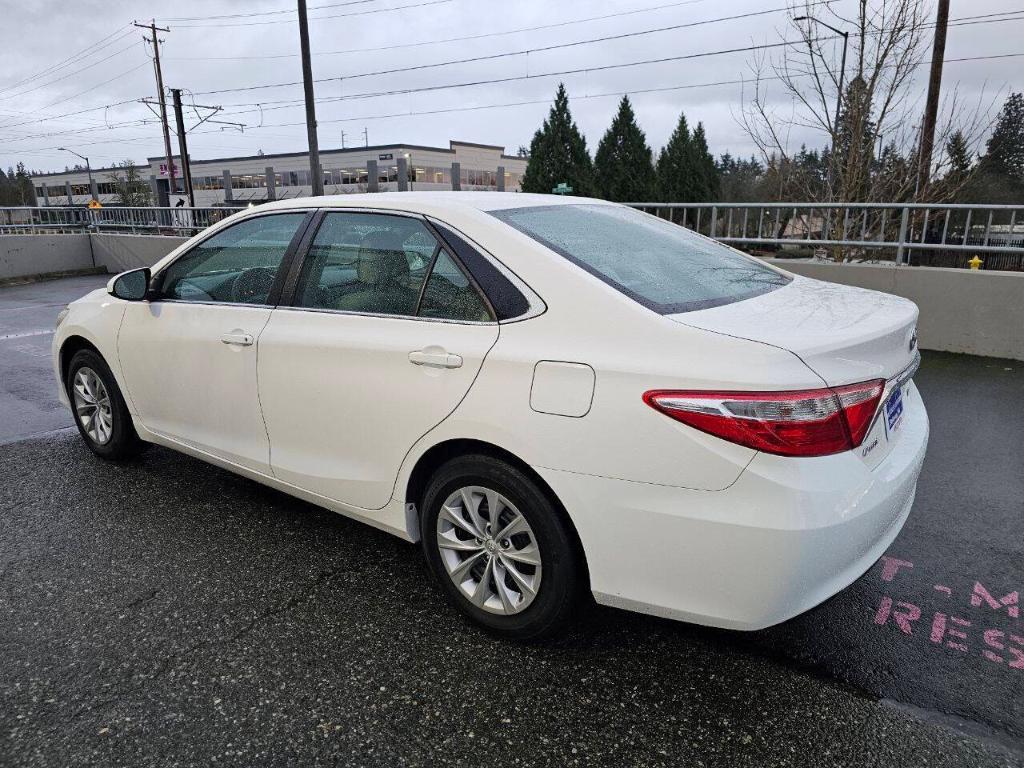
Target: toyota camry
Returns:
[[555, 397]]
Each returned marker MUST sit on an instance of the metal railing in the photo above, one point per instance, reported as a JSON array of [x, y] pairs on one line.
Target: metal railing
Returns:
[[939, 235], [143, 220], [936, 235]]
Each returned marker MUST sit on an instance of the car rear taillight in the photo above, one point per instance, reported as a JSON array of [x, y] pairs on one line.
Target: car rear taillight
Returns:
[[812, 422]]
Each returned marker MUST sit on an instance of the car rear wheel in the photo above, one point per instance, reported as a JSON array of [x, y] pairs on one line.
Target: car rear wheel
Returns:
[[499, 548], [101, 414]]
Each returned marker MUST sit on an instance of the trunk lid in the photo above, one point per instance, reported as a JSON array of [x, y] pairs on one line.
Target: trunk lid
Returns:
[[844, 334]]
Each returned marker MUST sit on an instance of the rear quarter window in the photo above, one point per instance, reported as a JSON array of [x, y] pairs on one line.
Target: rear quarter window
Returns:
[[661, 265]]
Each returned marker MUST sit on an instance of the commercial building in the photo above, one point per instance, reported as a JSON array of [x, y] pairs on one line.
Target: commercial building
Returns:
[[257, 178]]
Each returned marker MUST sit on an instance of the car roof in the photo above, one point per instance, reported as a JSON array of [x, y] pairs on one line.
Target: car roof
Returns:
[[427, 202]]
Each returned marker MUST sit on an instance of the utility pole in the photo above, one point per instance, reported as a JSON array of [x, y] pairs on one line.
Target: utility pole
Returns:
[[366, 138], [342, 139], [316, 176], [186, 165], [153, 28], [931, 108]]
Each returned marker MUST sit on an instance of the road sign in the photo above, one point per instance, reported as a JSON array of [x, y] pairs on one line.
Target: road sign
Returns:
[[562, 189], [95, 205]]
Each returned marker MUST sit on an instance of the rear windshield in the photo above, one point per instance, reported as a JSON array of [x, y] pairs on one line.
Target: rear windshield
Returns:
[[663, 266]]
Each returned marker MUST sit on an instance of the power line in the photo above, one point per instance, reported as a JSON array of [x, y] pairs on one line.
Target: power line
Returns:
[[634, 91], [579, 70], [539, 49], [531, 102], [522, 52], [98, 85], [66, 114], [964, 20], [456, 39], [318, 18], [71, 74], [74, 58], [265, 13], [132, 139], [90, 129]]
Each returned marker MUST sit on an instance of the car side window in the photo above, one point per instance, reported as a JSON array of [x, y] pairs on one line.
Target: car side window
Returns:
[[366, 262], [449, 295], [237, 265]]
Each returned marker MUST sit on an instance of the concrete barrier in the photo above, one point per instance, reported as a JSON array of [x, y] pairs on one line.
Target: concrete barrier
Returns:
[[973, 312], [24, 255], [121, 252], [976, 312]]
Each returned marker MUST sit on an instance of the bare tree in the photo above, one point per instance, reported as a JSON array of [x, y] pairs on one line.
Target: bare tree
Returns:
[[872, 141]]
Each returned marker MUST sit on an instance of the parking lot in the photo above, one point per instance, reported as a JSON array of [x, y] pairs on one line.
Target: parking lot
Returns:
[[165, 612]]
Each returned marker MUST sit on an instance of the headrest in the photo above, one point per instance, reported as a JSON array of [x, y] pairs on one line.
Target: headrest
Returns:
[[382, 260]]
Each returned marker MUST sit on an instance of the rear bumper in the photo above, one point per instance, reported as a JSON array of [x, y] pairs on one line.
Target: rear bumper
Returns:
[[787, 535]]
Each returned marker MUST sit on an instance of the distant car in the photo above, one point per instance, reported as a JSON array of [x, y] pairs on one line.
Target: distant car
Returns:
[[554, 396]]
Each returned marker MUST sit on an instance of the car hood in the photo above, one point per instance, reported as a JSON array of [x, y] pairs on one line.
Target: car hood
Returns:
[[844, 334]]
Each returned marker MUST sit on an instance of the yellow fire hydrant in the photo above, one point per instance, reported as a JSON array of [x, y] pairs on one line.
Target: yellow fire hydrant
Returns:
[[975, 263]]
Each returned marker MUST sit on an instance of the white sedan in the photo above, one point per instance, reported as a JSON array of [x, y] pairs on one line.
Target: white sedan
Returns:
[[554, 396]]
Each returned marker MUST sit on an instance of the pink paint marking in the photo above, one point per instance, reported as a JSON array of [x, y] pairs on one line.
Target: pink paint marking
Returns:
[[993, 639], [904, 615], [942, 630], [891, 566], [1018, 653], [941, 588], [1010, 601]]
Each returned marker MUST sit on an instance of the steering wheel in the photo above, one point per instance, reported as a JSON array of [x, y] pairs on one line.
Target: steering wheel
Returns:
[[253, 285]]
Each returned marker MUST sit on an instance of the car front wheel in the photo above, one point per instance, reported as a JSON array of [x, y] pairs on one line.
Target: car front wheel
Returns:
[[499, 548], [101, 414]]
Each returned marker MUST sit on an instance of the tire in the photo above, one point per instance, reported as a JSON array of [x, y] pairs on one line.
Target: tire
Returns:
[[108, 431], [530, 602]]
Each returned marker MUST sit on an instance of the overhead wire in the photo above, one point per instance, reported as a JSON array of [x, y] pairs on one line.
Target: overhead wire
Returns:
[[521, 52], [463, 38], [423, 4], [72, 59]]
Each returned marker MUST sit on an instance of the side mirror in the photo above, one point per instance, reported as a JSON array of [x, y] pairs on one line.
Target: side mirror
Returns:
[[130, 286]]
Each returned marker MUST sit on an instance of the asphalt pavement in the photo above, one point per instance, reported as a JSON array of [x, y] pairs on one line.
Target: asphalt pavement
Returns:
[[28, 390], [165, 612]]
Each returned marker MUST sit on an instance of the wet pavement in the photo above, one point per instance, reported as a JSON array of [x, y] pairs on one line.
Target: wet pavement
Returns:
[[165, 612], [28, 394]]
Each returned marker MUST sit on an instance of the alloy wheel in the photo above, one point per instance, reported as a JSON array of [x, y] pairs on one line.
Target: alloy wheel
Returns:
[[92, 405], [489, 550]]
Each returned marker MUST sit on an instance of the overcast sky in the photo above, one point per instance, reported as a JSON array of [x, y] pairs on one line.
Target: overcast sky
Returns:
[[256, 47]]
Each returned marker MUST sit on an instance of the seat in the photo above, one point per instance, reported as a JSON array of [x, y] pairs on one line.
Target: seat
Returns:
[[382, 278]]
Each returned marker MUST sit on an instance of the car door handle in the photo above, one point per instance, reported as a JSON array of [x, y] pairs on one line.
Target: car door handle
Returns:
[[438, 359], [238, 339]]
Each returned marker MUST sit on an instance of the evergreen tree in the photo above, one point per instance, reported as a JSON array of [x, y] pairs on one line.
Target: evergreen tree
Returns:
[[558, 153], [740, 179], [854, 146], [1004, 154], [999, 175], [624, 169], [960, 161], [23, 182], [16, 187], [677, 177], [707, 171]]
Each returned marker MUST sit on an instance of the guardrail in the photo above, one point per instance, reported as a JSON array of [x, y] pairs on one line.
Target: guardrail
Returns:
[[142, 220], [934, 235], [919, 233]]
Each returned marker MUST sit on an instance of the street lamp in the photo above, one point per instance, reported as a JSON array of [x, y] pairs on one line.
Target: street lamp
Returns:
[[842, 66], [88, 168]]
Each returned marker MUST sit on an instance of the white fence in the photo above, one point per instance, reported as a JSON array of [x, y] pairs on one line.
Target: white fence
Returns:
[[932, 235]]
